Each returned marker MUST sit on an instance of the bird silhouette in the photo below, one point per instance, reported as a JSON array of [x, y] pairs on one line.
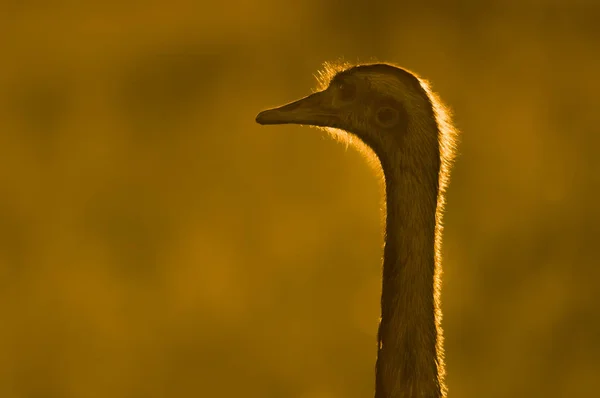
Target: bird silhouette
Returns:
[[408, 130]]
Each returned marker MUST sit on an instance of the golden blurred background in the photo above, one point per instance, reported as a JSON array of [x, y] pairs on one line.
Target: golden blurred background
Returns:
[[156, 242]]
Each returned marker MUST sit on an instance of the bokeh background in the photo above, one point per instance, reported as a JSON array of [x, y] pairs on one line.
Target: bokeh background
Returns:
[[156, 242]]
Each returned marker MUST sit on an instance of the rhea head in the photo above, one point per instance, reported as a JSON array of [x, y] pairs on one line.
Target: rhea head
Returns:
[[379, 103]]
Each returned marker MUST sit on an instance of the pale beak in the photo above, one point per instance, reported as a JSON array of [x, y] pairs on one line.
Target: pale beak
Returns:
[[314, 110]]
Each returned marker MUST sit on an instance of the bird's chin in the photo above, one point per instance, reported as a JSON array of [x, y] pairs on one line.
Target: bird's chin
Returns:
[[326, 123]]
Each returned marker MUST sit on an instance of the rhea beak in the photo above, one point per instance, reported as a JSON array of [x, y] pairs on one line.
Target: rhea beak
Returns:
[[315, 110]]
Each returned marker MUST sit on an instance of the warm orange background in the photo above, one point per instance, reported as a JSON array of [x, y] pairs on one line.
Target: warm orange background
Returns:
[[156, 242]]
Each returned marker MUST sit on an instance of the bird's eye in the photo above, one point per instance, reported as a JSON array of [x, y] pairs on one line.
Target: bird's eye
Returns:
[[347, 91], [387, 116]]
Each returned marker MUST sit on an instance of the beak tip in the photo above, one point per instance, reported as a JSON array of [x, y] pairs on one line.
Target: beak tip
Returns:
[[270, 116], [259, 118]]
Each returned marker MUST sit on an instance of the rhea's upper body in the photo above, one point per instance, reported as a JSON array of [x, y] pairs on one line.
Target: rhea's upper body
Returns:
[[396, 115]]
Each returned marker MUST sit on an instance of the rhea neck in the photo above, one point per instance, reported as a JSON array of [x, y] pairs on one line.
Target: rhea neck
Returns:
[[409, 361]]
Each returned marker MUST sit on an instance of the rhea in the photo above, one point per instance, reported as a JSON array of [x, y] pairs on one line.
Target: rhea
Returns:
[[395, 114]]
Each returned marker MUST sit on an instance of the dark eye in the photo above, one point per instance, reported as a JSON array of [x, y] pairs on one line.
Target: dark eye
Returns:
[[387, 116], [347, 91]]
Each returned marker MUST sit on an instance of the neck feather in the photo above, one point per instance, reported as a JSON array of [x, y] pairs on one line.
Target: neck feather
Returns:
[[410, 355]]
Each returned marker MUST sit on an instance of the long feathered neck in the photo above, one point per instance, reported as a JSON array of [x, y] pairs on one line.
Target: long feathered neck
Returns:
[[410, 355]]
